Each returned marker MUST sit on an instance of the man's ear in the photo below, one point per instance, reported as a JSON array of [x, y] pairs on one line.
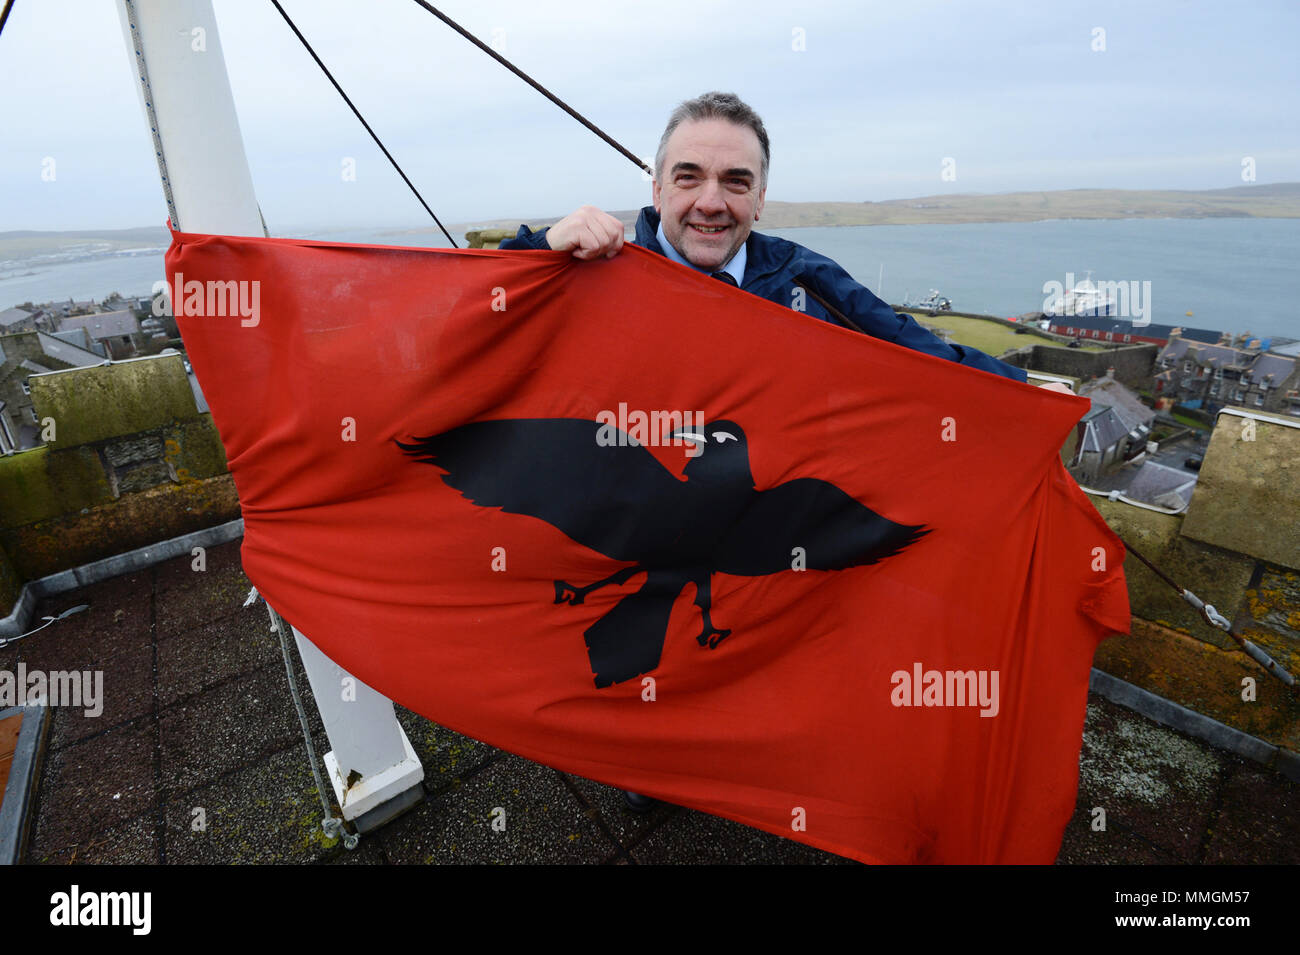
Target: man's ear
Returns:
[[758, 210], [654, 195]]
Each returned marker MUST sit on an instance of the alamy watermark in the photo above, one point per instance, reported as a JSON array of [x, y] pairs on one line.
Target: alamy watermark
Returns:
[[211, 299], [1123, 299], [74, 688], [922, 687], [667, 429]]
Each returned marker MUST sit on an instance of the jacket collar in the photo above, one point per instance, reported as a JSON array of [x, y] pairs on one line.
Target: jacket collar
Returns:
[[766, 253]]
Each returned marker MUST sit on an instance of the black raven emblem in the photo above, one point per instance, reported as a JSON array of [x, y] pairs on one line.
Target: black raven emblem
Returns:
[[620, 501]]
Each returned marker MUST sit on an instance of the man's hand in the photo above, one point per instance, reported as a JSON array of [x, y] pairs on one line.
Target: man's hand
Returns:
[[1060, 386], [589, 232]]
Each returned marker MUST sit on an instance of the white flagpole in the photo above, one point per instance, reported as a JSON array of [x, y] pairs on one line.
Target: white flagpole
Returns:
[[180, 74]]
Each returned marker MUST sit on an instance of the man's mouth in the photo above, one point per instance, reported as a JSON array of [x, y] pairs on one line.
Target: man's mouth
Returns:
[[709, 229]]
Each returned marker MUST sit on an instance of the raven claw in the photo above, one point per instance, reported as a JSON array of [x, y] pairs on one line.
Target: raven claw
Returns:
[[711, 638], [567, 593]]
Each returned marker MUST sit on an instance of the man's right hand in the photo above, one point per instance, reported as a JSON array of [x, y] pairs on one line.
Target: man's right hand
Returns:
[[589, 232]]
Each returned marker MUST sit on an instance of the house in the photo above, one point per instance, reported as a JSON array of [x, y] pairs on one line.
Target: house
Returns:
[[1162, 486], [21, 355], [16, 320], [1198, 375], [1103, 441], [1113, 394], [114, 330], [1113, 431]]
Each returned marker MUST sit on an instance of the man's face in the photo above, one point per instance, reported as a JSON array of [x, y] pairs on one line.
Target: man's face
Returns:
[[712, 190]]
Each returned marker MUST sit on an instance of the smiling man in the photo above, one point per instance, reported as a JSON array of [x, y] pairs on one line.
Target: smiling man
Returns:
[[710, 183]]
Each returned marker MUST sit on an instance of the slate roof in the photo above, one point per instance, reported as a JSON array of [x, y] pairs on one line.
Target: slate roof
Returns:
[[104, 324], [1107, 392], [1155, 482], [1103, 429]]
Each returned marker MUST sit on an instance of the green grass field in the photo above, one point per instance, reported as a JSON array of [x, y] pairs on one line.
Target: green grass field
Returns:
[[988, 337]]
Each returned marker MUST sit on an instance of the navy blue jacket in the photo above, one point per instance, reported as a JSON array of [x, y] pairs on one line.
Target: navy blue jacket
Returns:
[[773, 264]]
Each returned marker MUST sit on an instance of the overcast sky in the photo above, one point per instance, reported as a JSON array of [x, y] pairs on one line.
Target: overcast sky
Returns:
[[1015, 93]]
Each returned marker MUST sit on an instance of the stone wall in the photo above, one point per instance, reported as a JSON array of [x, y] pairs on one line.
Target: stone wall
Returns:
[[131, 462], [1238, 548], [1133, 364]]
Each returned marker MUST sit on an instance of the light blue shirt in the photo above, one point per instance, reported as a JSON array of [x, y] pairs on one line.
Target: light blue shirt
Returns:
[[736, 267]]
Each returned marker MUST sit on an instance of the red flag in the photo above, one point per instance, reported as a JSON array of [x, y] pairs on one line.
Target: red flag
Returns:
[[848, 594]]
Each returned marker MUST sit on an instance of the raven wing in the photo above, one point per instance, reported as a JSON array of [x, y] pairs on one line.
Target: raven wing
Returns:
[[614, 499], [833, 529]]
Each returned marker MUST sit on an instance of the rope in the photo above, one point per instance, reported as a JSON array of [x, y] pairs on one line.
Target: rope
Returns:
[[1219, 622], [330, 824], [143, 72], [536, 85], [5, 15], [357, 113]]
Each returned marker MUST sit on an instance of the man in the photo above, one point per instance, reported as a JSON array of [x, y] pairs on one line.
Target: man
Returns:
[[710, 183], [709, 186]]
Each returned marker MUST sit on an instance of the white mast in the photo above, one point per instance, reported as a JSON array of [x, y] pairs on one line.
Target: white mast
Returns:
[[180, 74]]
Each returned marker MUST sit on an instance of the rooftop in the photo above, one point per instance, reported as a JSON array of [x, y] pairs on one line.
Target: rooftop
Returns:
[[198, 726]]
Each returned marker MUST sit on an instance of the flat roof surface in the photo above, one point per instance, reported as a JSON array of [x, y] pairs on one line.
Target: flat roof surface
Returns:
[[198, 726]]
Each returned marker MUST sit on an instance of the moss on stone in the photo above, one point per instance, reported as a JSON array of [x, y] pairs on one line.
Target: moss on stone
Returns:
[[1245, 497], [35, 484], [100, 402], [1204, 678], [1216, 576], [133, 520]]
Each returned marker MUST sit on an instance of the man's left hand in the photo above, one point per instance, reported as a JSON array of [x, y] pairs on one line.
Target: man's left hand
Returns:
[[1060, 386]]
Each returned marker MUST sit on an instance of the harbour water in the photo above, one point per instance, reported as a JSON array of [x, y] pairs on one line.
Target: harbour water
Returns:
[[1232, 274]]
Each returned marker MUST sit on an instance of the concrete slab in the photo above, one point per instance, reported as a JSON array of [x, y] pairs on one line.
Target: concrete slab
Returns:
[[208, 655], [445, 754], [133, 842], [542, 822], [228, 726], [1151, 781], [700, 839], [1258, 823], [264, 812], [94, 785]]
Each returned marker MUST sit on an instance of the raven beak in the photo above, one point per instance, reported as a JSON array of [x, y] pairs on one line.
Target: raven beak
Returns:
[[698, 441]]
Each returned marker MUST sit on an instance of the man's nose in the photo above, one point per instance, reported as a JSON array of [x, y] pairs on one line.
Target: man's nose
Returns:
[[712, 198]]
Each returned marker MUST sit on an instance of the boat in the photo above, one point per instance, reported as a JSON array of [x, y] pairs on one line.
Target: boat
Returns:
[[1084, 300], [934, 303]]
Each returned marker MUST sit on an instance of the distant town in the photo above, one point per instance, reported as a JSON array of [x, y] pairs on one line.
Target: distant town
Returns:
[[37, 339]]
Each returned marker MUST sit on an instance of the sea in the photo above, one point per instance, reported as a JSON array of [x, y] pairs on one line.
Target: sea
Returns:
[[1231, 274]]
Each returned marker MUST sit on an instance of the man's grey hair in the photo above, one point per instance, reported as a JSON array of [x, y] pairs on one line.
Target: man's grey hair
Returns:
[[715, 105]]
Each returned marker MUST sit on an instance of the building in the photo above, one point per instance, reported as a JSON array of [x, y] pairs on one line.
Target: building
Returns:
[[22, 355], [1111, 393], [1115, 430], [1162, 486], [116, 331], [1124, 332], [17, 320], [1199, 375], [1104, 441]]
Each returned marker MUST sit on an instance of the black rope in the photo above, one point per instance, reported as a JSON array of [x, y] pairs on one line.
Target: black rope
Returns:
[[535, 85], [5, 15], [357, 113], [840, 316]]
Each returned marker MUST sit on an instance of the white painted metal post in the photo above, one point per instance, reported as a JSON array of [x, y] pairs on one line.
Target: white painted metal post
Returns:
[[180, 74]]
